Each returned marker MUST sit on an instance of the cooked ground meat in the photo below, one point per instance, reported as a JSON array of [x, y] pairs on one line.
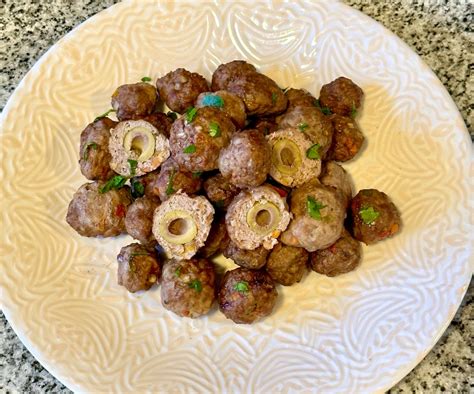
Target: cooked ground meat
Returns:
[[94, 150], [187, 287], [299, 98], [252, 259], [374, 216], [335, 176], [341, 96], [161, 121], [134, 101], [245, 162], [341, 257], [138, 267], [180, 88], [265, 125], [217, 239], [220, 191], [92, 213], [347, 138], [139, 219], [229, 71], [287, 264], [227, 102], [246, 295]]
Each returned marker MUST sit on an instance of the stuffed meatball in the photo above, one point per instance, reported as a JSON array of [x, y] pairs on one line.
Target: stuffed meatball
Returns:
[[252, 259], [347, 138], [217, 239], [134, 101], [227, 102], [139, 219], [220, 191], [299, 98], [227, 72], [335, 176], [341, 96], [287, 264]]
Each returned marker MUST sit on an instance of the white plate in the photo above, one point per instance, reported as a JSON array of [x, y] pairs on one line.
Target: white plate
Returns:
[[359, 332]]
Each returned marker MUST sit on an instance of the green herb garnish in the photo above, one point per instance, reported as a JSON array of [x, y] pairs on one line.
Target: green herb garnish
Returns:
[[368, 215], [212, 100], [353, 111], [314, 207], [116, 182], [242, 286], [214, 129], [219, 204], [190, 149], [197, 174], [138, 190], [172, 115], [313, 152], [196, 285], [177, 272], [324, 110], [302, 126], [146, 79], [104, 114], [131, 263], [90, 144], [169, 186], [191, 114], [274, 98], [133, 166]]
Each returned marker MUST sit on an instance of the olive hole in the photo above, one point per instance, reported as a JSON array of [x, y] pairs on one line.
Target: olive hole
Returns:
[[138, 144], [287, 157], [263, 218], [178, 226]]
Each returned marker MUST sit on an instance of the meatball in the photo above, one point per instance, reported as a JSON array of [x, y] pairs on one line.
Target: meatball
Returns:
[[246, 295], [246, 161], [341, 257], [265, 125], [138, 268], [94, 211], [335, 176], [180, 88], [341, 96], [252, 259], [134, 101], [172, 178], [299, 98], [139, 219], [187, 287], [257, 217], [311, 122], [197, 140], [318, 216], [347, 138], [287, 264], [227, 102], [161, 121], [294, 158], [229, 71], [181, 224], [94, 150], [220, 191], [374, 216], [217, 239]]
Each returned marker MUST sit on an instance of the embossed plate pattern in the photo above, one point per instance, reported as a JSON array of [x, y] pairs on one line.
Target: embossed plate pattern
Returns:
[[360, 332]]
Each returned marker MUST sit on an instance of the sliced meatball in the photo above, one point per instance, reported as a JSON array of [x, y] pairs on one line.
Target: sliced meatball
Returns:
[[245, 162], [341, 257], [374, 216], [341, 96], [138, 267], [161, 121], [227, 102], [187, 287], [172, 178], [287, 264], [95, 212], [265, 125], [134, 101], [139, 219], [252, 259], [220, 191], [318, 216], [217, 239], [311, 122], [229, 71], [257, 217], [335, 176], [299, 98], [94, 150], [180, 88], [197, 140], [347, 138], [246, 295]]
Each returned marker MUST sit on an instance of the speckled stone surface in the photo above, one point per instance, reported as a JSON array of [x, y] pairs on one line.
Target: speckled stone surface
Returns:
[[441, 32]]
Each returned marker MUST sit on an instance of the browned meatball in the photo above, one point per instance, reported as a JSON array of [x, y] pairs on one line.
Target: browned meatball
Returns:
[[187, 287], [265, 125], [374, 216], [139, 219], [287, 264], [144, 185], [252, 259], [246, 161], [220, 191], [134, 101], [347, 138], [247, 295], [217, 239], [341, 96], [94, 150], [92, 213], [227, 102], [172, 178], [335, 176], [138, 268], [341, 257], [299, 98], [229, 71], [197, 140], [180, 88], [161, 121]]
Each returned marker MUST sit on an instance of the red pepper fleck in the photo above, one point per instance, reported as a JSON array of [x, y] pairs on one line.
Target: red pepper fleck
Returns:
[[281, 192], [120, 211], [333, 248]]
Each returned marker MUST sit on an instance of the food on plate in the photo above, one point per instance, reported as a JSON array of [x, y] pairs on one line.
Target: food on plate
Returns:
[[334, 175], [246, 295], [217, 239], [245, 162], [134, 101], [253, 259], [138, 267], [229, 103], [97, 211], [188, 287], [139, 219], [220, 191], [295, 160], [181, 224], [137, 147], [265, 125], [341, 96], [227, 72], [347, 138], [299, 98], [287, 264], [257, 217], [341, 257], [161, 121], [374, 216]]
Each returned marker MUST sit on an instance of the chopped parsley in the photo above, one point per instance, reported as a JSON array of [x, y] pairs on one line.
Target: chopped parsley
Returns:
[[214, 130], [369, 215], [116, 182], [177, 272], [190, 149], [90, 144], [138, 190], [324, 110], [274, 98], [302, 126], [196, 285], [242, 286], [353, 111], [169, 186], [105, 114], [314, 207], [191, 114], [313, 152], [197, 174], [146, 79], [172, 115], [133, 166], [213, 100]]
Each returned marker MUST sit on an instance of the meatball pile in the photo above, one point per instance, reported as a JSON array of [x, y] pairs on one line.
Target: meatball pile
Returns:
[[237, 166]]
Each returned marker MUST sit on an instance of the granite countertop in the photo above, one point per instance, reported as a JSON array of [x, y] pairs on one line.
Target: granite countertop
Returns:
[[439, 31]]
